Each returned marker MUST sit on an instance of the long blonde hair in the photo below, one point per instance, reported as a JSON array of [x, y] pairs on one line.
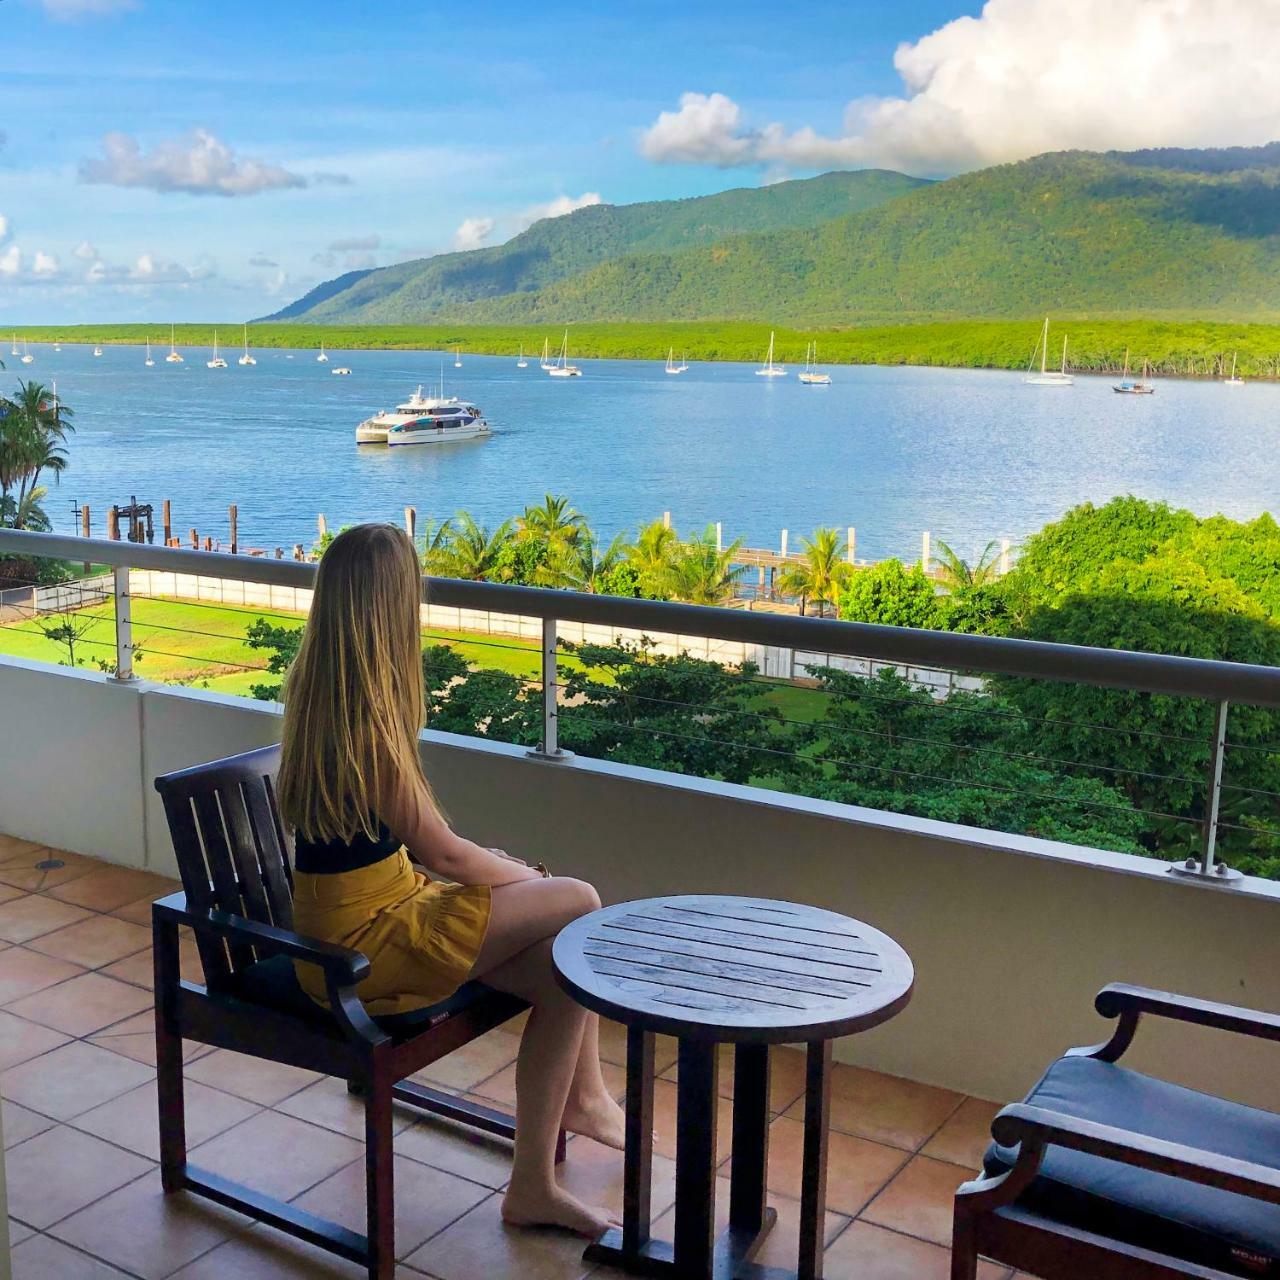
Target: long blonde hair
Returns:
[[353, 700]]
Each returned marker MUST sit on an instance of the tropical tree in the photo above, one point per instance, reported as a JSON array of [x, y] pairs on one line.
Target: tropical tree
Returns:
[[33, 428], [593, 568], [651, 556], [824, 571], [957, 574], [555, 523], [469, 549], [702, 573]]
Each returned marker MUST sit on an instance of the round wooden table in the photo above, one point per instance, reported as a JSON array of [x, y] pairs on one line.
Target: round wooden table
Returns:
[[711, 970]]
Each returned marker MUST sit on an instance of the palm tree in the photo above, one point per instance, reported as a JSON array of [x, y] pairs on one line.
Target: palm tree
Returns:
[[957, 574], [590, 564], [700, 573], [470, 550], [822, 573], [555, 523], [651, 555], [33, 427]]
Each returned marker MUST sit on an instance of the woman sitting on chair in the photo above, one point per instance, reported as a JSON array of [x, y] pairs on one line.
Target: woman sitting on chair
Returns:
[[352, 787]]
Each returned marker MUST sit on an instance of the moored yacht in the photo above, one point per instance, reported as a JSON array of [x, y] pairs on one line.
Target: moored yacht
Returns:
[[812, 375], [1047, 377], [173, 357], [562, 368], [424, 420], [769, 369]]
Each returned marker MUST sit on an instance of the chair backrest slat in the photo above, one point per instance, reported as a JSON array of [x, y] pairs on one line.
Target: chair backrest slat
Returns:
[[232, 849]]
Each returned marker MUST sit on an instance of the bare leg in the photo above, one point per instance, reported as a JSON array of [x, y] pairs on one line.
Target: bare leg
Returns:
[[516, 957], [590, 1109]]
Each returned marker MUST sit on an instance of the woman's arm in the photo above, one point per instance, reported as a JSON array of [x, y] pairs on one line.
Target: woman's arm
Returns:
[[430, 841]]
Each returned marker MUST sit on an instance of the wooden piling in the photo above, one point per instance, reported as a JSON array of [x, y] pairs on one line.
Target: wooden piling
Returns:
[[113, 525], [195, 541], [666, 519], [297, 551], [279, 553], [851, 545], [84, 531], [411, 522], [784, 544], [208, 542], [166, 519], [719, 536], [234, 514], [322, 526]]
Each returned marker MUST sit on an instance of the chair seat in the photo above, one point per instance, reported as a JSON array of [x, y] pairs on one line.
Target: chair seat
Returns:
[[274, 983], [1198, 1224]]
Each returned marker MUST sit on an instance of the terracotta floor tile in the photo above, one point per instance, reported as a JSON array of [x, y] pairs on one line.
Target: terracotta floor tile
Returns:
[[136, 1038], [148, 1233], [131, 1120], [24, 869], [328, 1104], [138, 968], [613, 1046], [664, 1121], [60, 1171], [782, 1244], [465, 1067], [786, 1075], [72, 1080], [455, 1149], [139, 911], [18, 1232], [94, 942], [251, 1078], [8, 892], [593, 1173], [427, 1201], [964, 1137], [107, 888], [21, 1124], [264, 1254], [41, 1258], [919, 1200], [21, 1039], [866, 1252], [83, 1005], [26, 971], [22, 919], [884, 1108], [479, 1244], [856, 1167], [12, 846], [277, 1154]]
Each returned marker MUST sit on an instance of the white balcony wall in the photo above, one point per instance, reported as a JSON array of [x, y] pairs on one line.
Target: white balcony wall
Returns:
[[1011, 936]]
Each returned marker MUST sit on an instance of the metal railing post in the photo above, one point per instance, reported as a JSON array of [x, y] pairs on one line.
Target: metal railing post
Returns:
[[124, 623], [549, 747], [1207, 867]]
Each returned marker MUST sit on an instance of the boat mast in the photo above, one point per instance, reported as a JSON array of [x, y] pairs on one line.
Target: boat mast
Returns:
[[1044, 346]]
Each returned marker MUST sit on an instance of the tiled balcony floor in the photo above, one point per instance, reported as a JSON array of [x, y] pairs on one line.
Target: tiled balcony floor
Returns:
[[78, 1083]]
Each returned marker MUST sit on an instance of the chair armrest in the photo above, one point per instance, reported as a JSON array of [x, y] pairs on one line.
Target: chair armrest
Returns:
[[345, 966], [1119, 997]]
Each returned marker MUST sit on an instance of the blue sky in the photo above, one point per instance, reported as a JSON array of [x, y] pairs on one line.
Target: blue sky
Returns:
[[362, 134]]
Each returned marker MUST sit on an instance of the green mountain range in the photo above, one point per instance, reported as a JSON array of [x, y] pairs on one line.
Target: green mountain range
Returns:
[[555, 249], [1170, 232]]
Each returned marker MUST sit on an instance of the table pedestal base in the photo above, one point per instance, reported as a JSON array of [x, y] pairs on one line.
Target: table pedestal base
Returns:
[[732, 1260]]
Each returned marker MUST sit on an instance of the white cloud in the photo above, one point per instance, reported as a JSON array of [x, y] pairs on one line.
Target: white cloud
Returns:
[[472, 233], [10, 261], [85, 252], [1019, 80], [556, 208], [4, 227], [45, 264], [196, 163], [69, 10]]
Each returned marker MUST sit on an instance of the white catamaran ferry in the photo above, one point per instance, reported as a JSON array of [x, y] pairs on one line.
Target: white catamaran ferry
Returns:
[[424, 420]]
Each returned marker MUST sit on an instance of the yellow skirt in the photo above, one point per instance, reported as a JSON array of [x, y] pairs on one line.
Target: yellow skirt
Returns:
[[421, 936]]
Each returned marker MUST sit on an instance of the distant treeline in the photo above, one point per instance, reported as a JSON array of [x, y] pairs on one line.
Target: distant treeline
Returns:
[[1172, 347]]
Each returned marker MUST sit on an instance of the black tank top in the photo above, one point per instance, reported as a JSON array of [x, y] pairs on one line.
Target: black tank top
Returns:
[[326, 857]]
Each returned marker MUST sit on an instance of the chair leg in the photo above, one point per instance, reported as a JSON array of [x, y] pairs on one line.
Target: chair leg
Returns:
[[964, 1247], [169, 1082], [379, 1177]]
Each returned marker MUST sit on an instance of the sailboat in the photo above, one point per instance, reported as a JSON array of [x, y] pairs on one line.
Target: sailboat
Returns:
[[57, 346], [769, 369], [457, 357], [522, 363], [1048, 377], [217, 362], [672, 367], [322, 358], [1232, 381], [97, 351], [545, 363], [811, 377], [149, 361], [13, 350], [173, 357], [27, 357], [562, 368], [246, 358], [1126, 387]]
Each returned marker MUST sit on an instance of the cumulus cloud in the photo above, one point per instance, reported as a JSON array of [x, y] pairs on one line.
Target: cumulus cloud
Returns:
[[85, 252], [472, 233], [69, 10], [10, 261], [196, 163], [355, 243], [556, 208], [1016, 81], [45, 264]]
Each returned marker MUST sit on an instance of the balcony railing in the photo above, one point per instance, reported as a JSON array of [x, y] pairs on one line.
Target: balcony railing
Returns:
[[1215, 684]]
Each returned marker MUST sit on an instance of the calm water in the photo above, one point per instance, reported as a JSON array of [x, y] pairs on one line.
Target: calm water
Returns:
[[968, 455]]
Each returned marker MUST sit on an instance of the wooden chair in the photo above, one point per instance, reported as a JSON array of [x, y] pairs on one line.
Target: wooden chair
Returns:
[[1111, 1175], [233, 856]]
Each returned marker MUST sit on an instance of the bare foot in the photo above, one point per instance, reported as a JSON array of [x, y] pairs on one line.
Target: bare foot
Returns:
[[599, 1118], [555, 1207]]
